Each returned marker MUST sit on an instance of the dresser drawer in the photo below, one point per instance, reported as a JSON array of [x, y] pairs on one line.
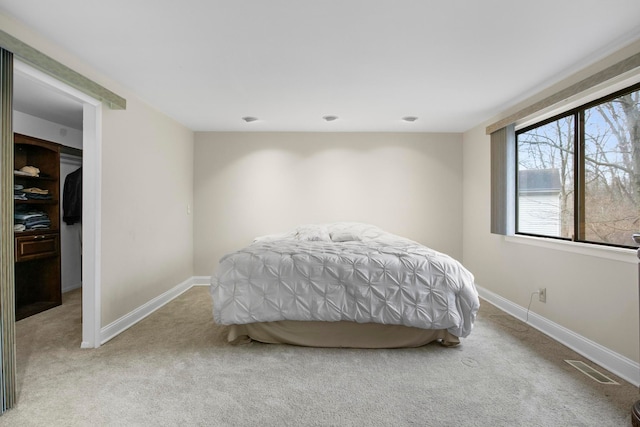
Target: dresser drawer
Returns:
[[37, 246]]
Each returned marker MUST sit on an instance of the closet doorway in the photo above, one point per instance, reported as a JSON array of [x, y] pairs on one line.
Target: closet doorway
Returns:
[[91, 141]]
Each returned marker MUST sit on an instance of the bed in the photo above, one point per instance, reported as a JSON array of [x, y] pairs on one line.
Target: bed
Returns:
[[343, 285]]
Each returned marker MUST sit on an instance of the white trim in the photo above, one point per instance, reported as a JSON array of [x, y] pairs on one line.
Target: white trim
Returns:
[[619, 365], [91, 225], [55, 84], [128, 320], [91, 211], [598, 251], [613, 85], [201, 280]]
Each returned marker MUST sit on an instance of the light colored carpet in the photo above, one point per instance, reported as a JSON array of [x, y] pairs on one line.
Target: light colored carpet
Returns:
[[174, 368]]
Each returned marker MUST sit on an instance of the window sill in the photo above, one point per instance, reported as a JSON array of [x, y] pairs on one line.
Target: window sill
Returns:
[[607, 252]]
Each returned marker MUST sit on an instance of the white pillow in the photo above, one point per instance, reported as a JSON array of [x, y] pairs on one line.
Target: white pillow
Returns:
[[345, 236], [271, 237], [313, 233]]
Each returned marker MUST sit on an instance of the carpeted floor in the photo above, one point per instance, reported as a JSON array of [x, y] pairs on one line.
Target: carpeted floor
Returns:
[[175, 368]]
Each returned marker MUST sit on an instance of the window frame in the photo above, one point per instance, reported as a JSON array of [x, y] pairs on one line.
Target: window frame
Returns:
[[578, 113]]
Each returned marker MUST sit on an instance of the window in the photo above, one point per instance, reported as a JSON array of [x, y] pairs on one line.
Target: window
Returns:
[[578, 174]]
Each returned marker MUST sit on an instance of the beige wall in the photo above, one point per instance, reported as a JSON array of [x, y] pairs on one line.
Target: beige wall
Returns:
[[590, 295], [147, 182], [251, 184]]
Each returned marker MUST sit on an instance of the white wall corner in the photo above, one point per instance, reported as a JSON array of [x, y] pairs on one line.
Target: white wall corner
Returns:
[[615, 363], [128, 320]]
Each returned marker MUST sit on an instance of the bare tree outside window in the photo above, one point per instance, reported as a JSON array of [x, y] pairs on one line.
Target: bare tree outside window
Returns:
[[612, 170], [609, 198], [548, 150]]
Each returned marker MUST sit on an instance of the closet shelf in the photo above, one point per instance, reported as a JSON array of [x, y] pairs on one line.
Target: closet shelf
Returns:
[[33, 178], [36, 202], [37, 252], [36, 232]]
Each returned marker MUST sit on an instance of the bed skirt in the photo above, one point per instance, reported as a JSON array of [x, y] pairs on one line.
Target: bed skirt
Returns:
[[338, 334]]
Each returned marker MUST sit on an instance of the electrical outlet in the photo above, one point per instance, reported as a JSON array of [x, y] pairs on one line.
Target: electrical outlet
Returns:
[[542, 294]]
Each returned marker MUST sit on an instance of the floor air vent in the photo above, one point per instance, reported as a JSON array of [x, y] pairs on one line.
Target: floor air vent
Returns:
[[590, 372]]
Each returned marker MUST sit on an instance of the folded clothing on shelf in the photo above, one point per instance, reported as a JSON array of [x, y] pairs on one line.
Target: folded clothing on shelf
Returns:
[[36, 193], [27, 171], [31, 219], [18, 194], [35, 190]]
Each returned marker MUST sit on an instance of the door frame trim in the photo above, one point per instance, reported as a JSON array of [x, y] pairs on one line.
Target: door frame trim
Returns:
[[91, 198]]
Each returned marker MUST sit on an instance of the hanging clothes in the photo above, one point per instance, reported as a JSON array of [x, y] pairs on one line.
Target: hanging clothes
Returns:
[[72, 197]]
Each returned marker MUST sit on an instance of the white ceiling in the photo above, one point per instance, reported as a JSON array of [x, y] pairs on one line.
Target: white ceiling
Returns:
[[453, 64]]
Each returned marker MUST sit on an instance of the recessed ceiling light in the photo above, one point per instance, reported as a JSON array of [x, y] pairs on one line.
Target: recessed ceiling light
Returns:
[[249, 119], [330, 118], [410, 119]]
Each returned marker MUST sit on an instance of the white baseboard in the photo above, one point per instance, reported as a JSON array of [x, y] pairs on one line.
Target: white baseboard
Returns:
[[615, 363], [201, 280], [128, 320], [619, 365], [68, 288]]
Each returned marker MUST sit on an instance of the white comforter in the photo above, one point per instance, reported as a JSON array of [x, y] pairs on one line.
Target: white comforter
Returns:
[[344, 271]]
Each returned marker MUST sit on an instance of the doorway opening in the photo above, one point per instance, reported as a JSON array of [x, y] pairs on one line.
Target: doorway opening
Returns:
[[91, 198]]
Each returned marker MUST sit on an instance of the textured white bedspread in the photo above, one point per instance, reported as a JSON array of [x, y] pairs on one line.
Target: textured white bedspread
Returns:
[[366, 276]]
